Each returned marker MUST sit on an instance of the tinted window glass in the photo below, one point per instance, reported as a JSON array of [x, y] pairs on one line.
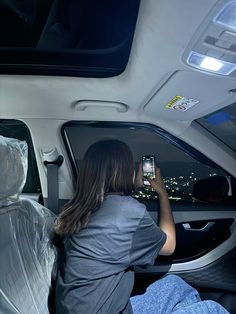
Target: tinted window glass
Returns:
[[179, 170], [17, 129], [222, 124], [68, 37]]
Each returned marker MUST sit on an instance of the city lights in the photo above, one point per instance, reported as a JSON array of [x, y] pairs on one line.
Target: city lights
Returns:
[[179, 188]]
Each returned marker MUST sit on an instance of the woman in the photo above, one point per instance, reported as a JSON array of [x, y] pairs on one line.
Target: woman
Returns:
[[106, 232]]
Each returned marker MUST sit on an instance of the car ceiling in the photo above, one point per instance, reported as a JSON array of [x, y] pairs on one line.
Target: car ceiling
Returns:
[[156, 72]]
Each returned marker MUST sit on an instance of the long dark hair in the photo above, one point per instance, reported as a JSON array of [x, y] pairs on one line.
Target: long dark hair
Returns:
[[107, 167]]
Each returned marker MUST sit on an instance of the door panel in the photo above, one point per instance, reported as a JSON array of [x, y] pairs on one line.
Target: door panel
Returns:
[[206, 246], [196, 238]]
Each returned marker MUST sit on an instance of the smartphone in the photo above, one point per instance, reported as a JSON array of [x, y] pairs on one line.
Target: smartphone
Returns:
[[148, 166]]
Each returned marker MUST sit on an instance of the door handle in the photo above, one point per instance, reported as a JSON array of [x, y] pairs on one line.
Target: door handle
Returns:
[[208, 225]]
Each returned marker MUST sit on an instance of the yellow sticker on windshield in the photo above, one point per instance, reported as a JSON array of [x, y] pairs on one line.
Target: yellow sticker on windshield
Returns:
[[181, 103]]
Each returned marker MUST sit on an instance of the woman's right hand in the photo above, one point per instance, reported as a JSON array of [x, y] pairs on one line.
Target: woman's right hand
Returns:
[[158, 184]]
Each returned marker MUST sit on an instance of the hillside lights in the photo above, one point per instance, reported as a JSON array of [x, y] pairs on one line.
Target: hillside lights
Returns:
[[206, 63]]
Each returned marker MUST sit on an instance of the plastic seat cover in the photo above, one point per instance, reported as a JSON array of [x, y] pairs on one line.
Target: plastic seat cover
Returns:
[[26, 252]]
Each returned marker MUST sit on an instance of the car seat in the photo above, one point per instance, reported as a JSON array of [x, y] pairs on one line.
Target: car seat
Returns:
[[27, 256]]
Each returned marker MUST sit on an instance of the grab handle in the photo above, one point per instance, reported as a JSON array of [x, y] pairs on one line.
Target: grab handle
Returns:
[[82, 105]]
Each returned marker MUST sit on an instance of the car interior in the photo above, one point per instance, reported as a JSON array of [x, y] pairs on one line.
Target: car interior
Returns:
[[159, 75]]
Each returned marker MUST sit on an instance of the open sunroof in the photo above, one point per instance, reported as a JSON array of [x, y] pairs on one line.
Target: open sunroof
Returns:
[[88, 38]]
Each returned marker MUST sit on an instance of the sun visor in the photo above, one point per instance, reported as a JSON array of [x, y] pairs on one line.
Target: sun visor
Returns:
[[179, 98]]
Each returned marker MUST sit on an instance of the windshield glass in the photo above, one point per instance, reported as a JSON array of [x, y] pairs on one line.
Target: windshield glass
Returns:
[[222, 124]]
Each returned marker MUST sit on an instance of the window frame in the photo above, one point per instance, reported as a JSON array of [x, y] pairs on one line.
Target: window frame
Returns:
[[188, 149]]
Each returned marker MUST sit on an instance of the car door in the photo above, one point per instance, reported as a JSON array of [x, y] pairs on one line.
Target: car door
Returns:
[[206, 231]]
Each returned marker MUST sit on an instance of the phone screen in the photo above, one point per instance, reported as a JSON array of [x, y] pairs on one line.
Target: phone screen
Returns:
[[148, 165]]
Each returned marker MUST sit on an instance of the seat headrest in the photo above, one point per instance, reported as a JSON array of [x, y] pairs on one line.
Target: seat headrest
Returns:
[[13, 166]]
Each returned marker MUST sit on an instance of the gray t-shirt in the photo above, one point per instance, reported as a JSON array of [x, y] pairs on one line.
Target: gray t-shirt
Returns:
[[95, 273]]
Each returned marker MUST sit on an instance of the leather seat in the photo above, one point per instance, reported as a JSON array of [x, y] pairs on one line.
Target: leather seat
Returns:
[[26, 253]]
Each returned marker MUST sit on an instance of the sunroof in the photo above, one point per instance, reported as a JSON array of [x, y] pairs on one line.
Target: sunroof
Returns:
[[66, 37]]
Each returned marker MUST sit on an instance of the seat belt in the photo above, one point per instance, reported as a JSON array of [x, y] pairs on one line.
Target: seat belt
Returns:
[[52, 183]]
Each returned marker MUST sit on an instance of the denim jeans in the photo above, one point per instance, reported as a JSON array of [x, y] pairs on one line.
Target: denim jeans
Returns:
[[171, 294]]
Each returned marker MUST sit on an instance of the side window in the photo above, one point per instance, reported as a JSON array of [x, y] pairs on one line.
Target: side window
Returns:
[[17, 129], [179, 170]]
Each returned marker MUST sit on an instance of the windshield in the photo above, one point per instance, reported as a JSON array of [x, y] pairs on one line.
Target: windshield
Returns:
[[222, 124]]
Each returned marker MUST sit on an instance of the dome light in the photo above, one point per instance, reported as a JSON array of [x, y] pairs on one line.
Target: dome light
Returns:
[[206, 63], [211, 64]]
